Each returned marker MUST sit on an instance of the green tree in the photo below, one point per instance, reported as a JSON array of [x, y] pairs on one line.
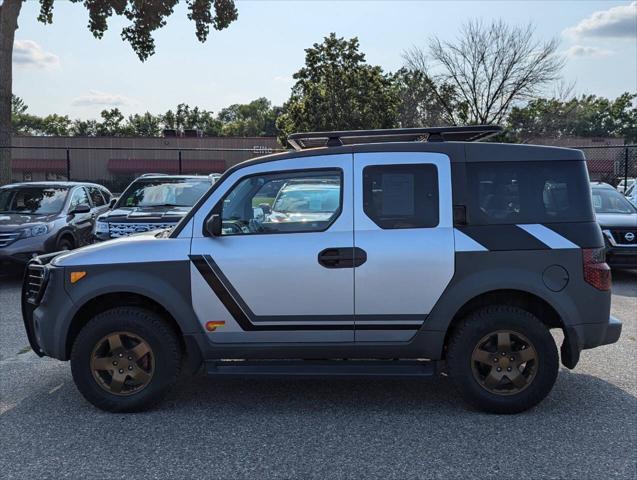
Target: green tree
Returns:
[[337, 89], [254, 119], [146, 125], [144, 16], [84, 128], [423, 103], [586, 116], [112, 124]]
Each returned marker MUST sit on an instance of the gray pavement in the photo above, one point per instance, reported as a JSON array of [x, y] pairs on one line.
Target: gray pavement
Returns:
[[234, 429]]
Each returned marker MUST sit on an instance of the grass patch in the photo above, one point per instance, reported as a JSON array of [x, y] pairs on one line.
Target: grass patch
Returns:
[[24, 350]]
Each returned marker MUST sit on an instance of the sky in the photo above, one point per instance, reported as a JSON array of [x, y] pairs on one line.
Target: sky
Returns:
[[61, 68]]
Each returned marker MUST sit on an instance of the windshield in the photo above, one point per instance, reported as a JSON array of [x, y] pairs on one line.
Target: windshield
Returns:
[[607, 200], [169, 192], [307, 199], [33, 200]]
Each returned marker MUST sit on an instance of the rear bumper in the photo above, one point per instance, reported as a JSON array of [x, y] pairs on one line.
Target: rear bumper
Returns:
[[588, 335], [597, 334]]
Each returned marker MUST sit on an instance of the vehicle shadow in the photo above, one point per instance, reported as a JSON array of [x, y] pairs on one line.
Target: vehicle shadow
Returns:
[[386, 425]]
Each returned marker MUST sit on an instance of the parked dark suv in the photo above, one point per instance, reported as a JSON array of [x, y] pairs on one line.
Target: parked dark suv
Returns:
[[618, 219], [42, 217], [382, 255], [152, 202]]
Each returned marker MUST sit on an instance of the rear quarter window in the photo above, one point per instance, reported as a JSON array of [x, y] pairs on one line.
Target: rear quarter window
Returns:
[[528, 192]]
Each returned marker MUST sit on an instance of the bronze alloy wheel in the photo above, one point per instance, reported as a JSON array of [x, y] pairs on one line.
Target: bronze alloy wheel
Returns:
[[122, 363], [504, 362]]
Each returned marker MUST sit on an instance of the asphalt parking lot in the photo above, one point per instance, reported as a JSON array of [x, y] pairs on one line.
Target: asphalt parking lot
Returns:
[[227, 429]]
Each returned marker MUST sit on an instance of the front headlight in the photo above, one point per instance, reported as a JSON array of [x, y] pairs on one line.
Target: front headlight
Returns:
[[101, 227], [35, 231]]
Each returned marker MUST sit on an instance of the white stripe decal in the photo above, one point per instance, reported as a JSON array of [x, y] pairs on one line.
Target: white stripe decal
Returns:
[[547, 236], [464, 243]]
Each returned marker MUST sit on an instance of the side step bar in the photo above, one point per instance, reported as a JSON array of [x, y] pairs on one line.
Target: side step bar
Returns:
[[322, 368]]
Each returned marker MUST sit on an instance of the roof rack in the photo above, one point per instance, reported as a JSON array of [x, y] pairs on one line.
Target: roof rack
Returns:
[[471, 133]]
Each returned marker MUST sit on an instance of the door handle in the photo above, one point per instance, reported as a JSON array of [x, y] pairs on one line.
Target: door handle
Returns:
[[343, 257]]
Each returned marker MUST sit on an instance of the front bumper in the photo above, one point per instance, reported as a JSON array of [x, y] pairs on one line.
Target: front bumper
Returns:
[[622, 257], [24, 249], [46, 315]]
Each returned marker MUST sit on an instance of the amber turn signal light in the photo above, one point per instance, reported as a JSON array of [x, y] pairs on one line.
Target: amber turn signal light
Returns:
[[77, 276]]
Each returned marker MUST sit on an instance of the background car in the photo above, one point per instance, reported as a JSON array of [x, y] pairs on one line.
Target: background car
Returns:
[[43, 217], [152, 202], [624, 184], [618, 219], [631, 194]]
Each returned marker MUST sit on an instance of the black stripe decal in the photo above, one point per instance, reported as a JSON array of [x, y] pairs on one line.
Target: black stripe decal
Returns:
[[503, 237], [248, 321]]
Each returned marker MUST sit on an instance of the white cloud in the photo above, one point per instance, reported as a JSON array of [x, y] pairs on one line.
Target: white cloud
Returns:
[[616, 22], [102, 98], [28, 53], [580, 51]]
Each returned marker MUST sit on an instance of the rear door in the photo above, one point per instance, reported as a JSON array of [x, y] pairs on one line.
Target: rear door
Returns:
[[403, 223], [282, 270]]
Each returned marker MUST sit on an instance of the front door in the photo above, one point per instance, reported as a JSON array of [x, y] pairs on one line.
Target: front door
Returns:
[[81, 222], [282, 268], [403, 222]]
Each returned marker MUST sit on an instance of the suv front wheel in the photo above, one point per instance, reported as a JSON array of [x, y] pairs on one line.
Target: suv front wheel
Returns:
[[502, 359], [125, 359]]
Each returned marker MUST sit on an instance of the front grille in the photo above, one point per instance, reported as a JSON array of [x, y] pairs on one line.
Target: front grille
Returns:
[[122, 229], [620, 234], [34, 283], [7, 238]]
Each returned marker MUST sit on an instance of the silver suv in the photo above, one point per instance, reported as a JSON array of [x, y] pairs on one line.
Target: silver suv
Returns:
[[413, 258], [43, 217]]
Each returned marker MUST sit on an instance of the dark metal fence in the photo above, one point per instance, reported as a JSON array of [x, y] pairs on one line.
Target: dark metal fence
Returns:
[[611, 164], [116, 167]]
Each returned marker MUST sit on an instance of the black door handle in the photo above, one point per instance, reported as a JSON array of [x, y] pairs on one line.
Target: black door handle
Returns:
[[345, 257]]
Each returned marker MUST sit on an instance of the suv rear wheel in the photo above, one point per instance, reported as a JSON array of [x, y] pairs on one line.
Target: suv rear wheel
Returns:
[[125, 359], [502, 359]]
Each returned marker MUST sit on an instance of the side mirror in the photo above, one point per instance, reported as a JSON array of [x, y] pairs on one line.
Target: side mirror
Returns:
[[81, 208], [267, 210], [213, 225], [112, 203]]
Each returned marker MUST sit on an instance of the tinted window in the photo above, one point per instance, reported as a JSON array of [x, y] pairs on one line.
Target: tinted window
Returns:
[[168, 192], [282, 203], [528, 192], [79, 198], [96, 196], [608, 200], [106, 194], [36, 200], [401, 196]]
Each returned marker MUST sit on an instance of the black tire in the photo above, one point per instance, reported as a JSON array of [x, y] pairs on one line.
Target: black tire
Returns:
[[146, 325], [463, 369], [65, 243]]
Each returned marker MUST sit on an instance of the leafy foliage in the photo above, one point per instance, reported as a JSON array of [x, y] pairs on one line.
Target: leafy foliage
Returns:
[[147, 16], [586, 116], [337, 89]]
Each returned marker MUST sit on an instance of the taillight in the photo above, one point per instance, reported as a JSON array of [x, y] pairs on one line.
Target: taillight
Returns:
[[596, 270]]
